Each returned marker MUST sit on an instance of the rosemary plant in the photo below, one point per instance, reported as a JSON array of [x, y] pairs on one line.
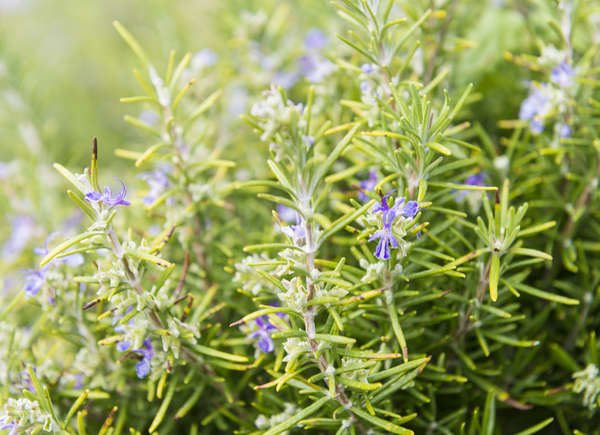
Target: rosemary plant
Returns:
[[352, 227]]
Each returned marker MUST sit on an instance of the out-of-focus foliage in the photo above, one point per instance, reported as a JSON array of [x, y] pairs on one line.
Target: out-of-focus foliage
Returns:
[[369, 216]]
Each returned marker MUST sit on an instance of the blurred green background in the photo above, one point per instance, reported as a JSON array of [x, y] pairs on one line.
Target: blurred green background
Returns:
[[69, 67]]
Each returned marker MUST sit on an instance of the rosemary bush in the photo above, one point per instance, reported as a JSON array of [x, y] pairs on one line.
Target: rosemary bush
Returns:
[[371, 216]]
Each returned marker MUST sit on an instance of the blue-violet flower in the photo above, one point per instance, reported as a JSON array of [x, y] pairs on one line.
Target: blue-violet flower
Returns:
[[263, 333], [142, 367], [107, 197]]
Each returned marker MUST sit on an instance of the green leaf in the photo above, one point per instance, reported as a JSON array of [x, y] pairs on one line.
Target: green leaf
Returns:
[[209, 351], [301, 415], [337, 339], [489, 414], [379, 422], [399, 369], [510, 341], [363, 386], [82, 397], [190, 402], [494, 276], [82, 204], [335, 153], [132, 42], [279, 174], [536, 428], [370, 355], [162, 411], [345, 220], [531, 253], [67, 244], [545, 295], [71, 178], [161, 262]]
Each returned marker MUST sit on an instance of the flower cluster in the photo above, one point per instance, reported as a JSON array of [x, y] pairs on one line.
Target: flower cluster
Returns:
[[20, 415], [546, 100], [262, 334], [385, 235], [146, 352]]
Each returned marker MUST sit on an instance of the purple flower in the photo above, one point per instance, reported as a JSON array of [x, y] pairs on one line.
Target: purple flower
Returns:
[[315, 67], [34, 281], [79, 378], [365, 87], [386, 240], [385, 235], [563, 130], [410, 209], [204, 58], [158, 181], [263, 333], [288, 214], [23, 230], [563, 75], [368, 68], [315, 40], [24, 380], [285, 79], [149, 117], [295, 232], [367, 185], [475, 179], [107, 198], [471, 180], [123, 345], [535, 107], [7, 424], [142, 367]]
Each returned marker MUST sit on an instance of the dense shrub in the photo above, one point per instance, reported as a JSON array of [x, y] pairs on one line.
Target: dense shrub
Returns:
[[365, 217]]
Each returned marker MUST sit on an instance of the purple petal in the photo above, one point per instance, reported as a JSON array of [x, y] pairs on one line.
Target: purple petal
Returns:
[[410, 209], [564, 130], [93, 196], [382, 251], [265, 344], [122, 346], [142, 368], [475, 179], [34, 282], [315, 40], [392, 240], [376, 235], [563, 74]]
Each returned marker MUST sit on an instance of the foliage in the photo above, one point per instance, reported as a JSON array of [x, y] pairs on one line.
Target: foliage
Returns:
[[371, 233]]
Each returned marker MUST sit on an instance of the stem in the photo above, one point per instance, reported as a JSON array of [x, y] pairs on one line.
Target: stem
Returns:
[[465, 322], [570, 228], [309, 318], [439, 43], [391, 306], [132, 279], [583, 315], [177, 141]]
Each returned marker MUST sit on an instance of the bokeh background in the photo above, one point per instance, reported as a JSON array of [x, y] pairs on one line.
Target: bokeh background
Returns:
[[63, 67]]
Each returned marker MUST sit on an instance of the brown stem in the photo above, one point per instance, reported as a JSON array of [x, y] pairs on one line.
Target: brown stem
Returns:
[[181, 283]]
